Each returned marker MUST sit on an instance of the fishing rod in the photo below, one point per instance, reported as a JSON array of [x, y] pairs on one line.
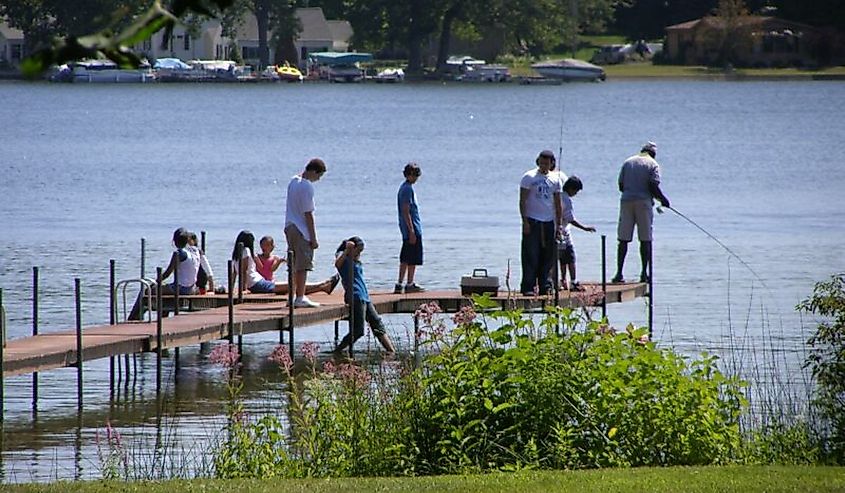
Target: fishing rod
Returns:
[[560, 146], [743, 262]]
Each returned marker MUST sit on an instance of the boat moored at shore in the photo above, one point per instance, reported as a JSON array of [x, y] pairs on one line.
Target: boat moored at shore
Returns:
[[570, 69]]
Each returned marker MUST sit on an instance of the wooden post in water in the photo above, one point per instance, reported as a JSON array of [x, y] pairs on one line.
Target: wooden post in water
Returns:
[[231, 324], [604, 276], [176, 286], [202, 241], [416, 339], [113, 317], [351, 294], [158, 330], [651, 291], [79, 356], [143, 258], [34, 333], [291, 291], [241, 278]]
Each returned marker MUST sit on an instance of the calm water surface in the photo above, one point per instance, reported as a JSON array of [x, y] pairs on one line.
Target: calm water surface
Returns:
[[86, 171]]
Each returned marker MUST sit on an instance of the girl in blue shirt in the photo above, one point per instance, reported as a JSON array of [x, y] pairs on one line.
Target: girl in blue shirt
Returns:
[[348, 264]]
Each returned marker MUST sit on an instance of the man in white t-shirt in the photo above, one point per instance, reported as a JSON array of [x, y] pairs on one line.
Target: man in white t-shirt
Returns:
[[639, 183], [300, 231], [539, 206]]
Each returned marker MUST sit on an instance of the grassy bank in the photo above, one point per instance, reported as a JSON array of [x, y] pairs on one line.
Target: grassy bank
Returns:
[[686, 479]]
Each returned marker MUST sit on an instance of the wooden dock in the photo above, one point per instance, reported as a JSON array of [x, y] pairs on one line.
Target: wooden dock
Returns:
[[257, 313]]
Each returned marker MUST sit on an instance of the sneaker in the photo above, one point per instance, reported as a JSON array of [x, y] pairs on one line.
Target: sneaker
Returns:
[[643, 278], [335, 281], [617, 279], [414, 288], [398, 288], [304, 302], [576, 286], [563, 286]]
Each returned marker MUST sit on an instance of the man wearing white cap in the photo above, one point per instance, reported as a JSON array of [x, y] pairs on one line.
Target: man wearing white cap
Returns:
[[639, 182]]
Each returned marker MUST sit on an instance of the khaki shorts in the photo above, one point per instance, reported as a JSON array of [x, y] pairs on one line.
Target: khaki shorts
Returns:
[[303, 254], [637, 212]]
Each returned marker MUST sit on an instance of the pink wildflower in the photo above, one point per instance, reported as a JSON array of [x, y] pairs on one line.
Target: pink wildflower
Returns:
[[643, 339], [605, 329], [225, 355], [427, 311], [329, 368], [309, 349], [354, 376], [464, 316], [281, 357]]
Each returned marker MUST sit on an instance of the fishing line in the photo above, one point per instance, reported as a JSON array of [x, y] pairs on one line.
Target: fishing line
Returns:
[[743, 262]]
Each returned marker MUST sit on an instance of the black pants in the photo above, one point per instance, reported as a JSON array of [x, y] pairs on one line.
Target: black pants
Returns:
[[538, 256]]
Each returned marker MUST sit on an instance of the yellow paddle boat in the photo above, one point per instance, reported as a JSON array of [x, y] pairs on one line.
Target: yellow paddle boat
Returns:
[[288, 73]]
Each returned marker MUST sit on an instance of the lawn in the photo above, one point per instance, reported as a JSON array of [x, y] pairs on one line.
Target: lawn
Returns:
[[680, 479]]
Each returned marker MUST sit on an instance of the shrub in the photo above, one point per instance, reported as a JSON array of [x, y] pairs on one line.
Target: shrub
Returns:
[[827, 359], [501, 391]]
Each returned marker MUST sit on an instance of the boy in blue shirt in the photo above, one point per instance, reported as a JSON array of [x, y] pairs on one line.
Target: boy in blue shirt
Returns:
[[410, 226]]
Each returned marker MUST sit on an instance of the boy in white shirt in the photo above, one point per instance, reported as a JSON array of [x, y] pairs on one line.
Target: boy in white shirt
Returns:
[[566, 250]]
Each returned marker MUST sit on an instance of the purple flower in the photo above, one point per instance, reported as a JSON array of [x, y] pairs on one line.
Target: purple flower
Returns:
[[464, 316], [310, 349], [225, 355], [354, 376], [281, 357], [427, 311]]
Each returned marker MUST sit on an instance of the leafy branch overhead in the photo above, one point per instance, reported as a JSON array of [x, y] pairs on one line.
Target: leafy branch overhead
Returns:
[[113, 43]]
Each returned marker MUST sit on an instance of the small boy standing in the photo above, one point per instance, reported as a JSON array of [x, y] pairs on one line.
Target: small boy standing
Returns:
[[566, 250], [410, 226]]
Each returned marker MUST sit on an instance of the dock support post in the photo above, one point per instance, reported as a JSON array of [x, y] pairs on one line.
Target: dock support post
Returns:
[[416, 339], [79, 356], [336, 332], [651, 292], [2, 356], [291, 290], [351, 293], [158, 330], [241, 279], [604, 277], [557, 285], [176, 286], [143, 257], [34, 333], [202, 241], [112, 319], [230, 326]]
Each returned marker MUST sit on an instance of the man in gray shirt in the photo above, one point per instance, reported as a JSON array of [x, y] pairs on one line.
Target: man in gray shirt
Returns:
[[639, 182]]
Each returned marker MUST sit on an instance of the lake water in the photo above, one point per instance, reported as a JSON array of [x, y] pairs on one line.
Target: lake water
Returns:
[[88, 170]]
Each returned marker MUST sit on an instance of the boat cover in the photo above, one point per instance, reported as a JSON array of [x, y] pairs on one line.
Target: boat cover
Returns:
[[339, 58]]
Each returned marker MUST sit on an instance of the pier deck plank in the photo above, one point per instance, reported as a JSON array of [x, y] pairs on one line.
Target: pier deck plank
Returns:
[[258, 313]]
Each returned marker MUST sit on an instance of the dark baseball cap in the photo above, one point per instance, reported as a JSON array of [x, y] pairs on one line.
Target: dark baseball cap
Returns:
[[547, 153]]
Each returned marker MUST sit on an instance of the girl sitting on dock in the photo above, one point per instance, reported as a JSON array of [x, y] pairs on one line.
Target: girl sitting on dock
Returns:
[[269, 262], [348, 264], [185, 261], [247, 261]]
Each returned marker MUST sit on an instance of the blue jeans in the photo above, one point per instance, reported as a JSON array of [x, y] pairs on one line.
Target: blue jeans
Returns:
[[538, 257]]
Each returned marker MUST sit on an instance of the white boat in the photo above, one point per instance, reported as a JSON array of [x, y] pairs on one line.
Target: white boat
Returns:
[[570, 69], [485, 73], [102, 71], [390, 75]]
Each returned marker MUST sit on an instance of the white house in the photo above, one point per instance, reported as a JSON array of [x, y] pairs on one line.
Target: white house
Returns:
[[11, 45]]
